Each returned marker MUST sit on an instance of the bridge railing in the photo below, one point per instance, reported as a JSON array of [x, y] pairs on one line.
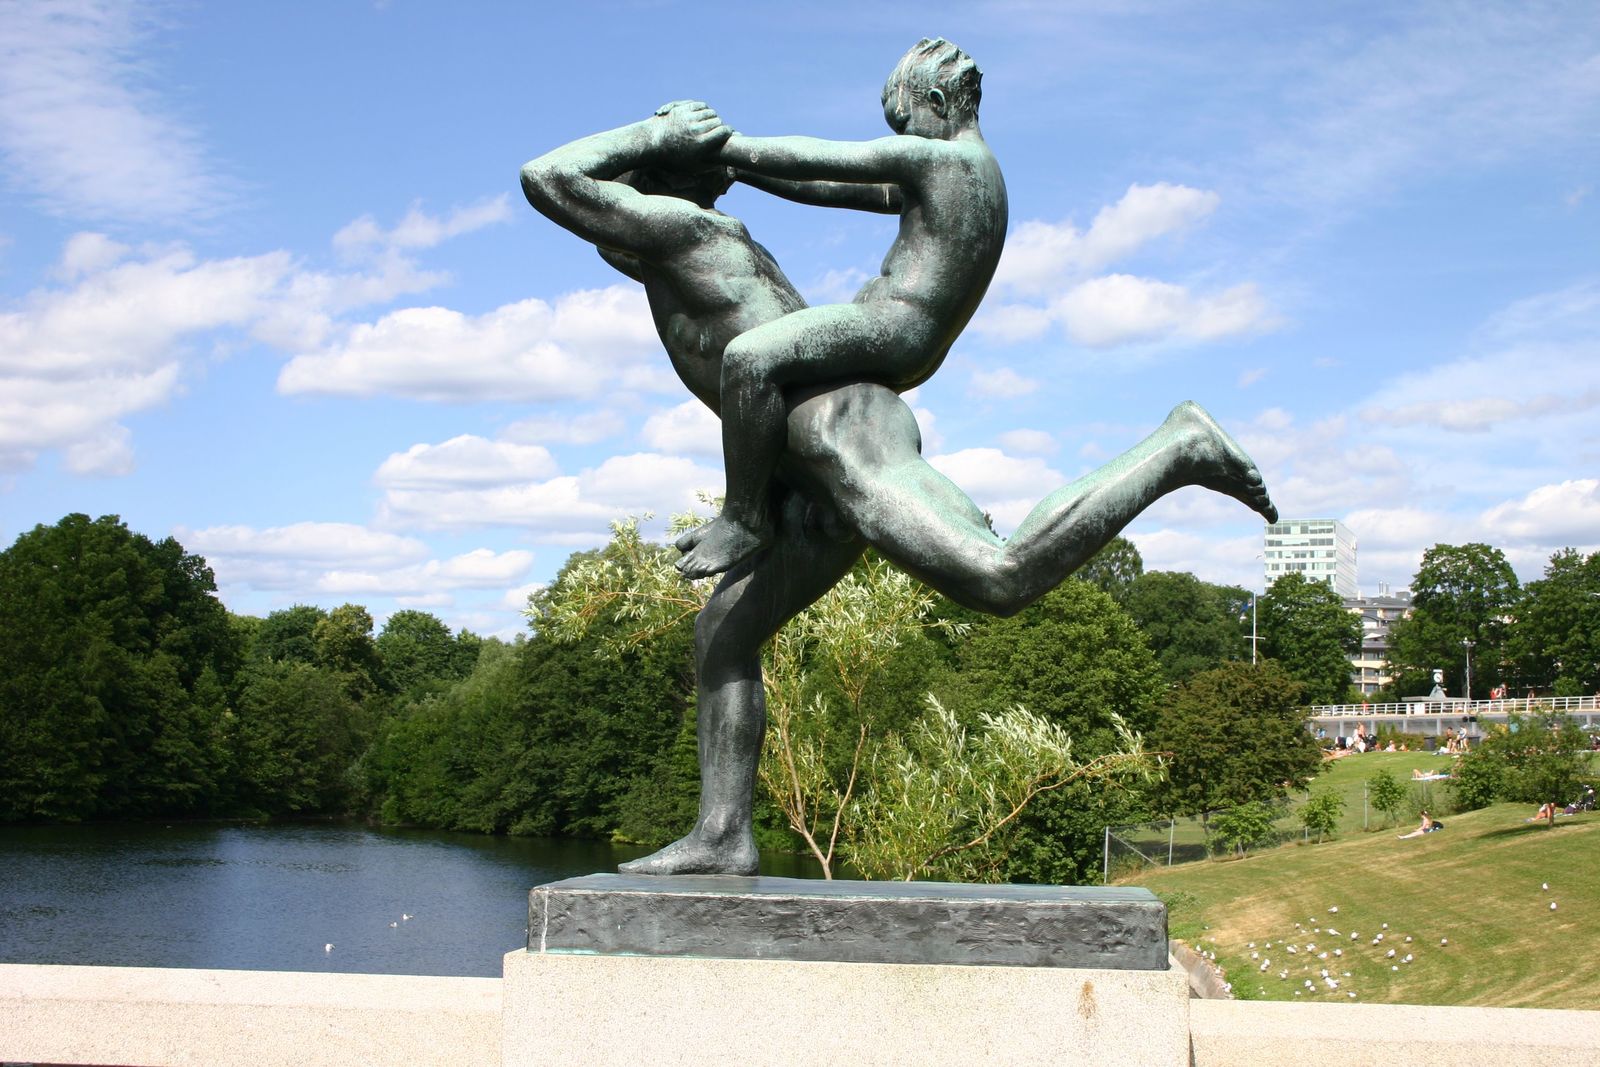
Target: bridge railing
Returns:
[[1502, 708]]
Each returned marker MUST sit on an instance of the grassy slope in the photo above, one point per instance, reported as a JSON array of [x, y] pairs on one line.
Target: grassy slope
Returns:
[[1477, 883]]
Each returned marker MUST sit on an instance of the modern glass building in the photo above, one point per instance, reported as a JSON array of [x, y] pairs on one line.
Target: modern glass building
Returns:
[[1320, 550]]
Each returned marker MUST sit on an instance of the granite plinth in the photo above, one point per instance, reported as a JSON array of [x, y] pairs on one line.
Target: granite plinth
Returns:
[[721, 916]]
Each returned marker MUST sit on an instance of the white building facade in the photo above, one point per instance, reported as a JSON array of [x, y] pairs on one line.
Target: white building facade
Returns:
[[1319, 550]]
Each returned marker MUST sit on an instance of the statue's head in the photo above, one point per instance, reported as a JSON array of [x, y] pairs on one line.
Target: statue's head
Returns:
[[701, 187], [935, 73]]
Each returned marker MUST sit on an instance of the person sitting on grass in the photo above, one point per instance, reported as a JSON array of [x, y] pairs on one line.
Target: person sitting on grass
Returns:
[[1429, 825]]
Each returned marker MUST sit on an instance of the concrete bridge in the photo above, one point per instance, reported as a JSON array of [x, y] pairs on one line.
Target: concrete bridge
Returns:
[[1434, 717]]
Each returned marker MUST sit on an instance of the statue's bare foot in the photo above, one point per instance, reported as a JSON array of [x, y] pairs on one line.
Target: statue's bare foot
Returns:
[[1223, 465], [696, 854], [690, 537], [720, 544]]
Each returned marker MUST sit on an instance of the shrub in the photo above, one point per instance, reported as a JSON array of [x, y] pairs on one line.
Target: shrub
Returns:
[[1240, 828], [1321, 813]]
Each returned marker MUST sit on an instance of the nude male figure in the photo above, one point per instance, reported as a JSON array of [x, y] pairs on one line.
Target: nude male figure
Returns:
[[852, 452], [939, 176]]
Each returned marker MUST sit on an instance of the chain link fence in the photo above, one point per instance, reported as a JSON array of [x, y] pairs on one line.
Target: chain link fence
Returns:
[[1187, 839]]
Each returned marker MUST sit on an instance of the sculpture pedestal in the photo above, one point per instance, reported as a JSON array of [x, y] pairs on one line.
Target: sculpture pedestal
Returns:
[[738, 970]]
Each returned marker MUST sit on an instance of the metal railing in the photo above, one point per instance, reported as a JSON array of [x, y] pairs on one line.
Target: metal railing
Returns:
[[1525, 706]]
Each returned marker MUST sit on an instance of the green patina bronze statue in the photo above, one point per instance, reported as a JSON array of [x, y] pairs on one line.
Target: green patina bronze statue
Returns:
[[823, 456]]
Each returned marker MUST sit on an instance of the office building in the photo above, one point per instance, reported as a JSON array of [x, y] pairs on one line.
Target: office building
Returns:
[[1319, 550]]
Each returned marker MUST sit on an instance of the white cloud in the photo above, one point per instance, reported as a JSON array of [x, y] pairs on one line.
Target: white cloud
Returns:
[[1039, 255], [419, 229], [1003, 383], [1119, 309], [689, 427], [81, 124], [1005, 486], [1551, 515], [585, 344], [581, 428], [321, 543], [1029, 442], [478, 569], [464, 461], [1250, 377], [109, 453], [561, 507], [927, 426], [1223, 561], [115, 336]]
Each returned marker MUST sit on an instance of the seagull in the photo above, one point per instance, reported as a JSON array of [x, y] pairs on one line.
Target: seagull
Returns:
[[1444, 941], [328, 947], [1552, 905], [1545, 886], [393, 925], [1334, 910], [404, 917]]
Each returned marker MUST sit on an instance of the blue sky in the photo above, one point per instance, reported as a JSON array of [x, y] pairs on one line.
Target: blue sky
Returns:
[[267, 282]]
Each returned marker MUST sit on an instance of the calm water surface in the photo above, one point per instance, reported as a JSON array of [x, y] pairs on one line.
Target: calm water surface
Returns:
[[271, 897]]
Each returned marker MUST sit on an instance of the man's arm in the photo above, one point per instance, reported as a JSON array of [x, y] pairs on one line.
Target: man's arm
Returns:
[[898, 159], [882, 197], [573, 185]]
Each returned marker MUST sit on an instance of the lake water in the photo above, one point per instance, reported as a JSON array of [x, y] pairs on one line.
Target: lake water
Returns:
[[272, 897]]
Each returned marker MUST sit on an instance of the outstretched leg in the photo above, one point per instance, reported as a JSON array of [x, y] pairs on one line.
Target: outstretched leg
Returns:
[[751, 603], [928, 526], [804, 347]]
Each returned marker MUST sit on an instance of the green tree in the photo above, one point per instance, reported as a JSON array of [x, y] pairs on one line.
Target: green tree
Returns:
[[1074, 657], [418, 652], [1190, 625], [114, 659], [1242, 827], [288, 635], [344, 645], [1113, 569], [1555, 640], [1305, 628], [1234, 735], [1460, 593], [1386, 795], [293, 739], [1320, 814], [1535, 759]]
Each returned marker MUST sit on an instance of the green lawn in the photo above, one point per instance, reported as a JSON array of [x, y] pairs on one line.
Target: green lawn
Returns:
[[1476, 884], [1348, 776]]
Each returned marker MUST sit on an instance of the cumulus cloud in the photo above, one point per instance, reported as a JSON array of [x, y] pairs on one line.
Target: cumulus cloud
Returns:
[[1002, 383], [478, 569], [578, 428], [116, 331], [567, 508], [331, 561], [78, 103], [1550, 515], [1029, 442], [466, 460], [583, 345], [1119, 308], [1005, 486], [1038, 255], [688, 427], [1044, 282]]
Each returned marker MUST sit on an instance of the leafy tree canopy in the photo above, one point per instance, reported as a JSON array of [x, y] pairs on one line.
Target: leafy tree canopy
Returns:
[[1461, 592], [1190, 625], [1304, 627], [1235, 734]]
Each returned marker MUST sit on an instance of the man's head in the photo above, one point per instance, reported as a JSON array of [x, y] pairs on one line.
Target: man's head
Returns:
[[934, 74], [701, 187]]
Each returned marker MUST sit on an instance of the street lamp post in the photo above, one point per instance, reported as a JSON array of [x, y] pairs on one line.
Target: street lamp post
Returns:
[[1467, 643], [1253, 637]]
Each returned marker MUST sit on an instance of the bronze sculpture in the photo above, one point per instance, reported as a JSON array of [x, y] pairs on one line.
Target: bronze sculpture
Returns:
[[849, 472]]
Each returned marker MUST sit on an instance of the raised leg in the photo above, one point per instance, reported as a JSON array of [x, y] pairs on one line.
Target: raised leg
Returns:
[[752, 602], [921, 520]]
